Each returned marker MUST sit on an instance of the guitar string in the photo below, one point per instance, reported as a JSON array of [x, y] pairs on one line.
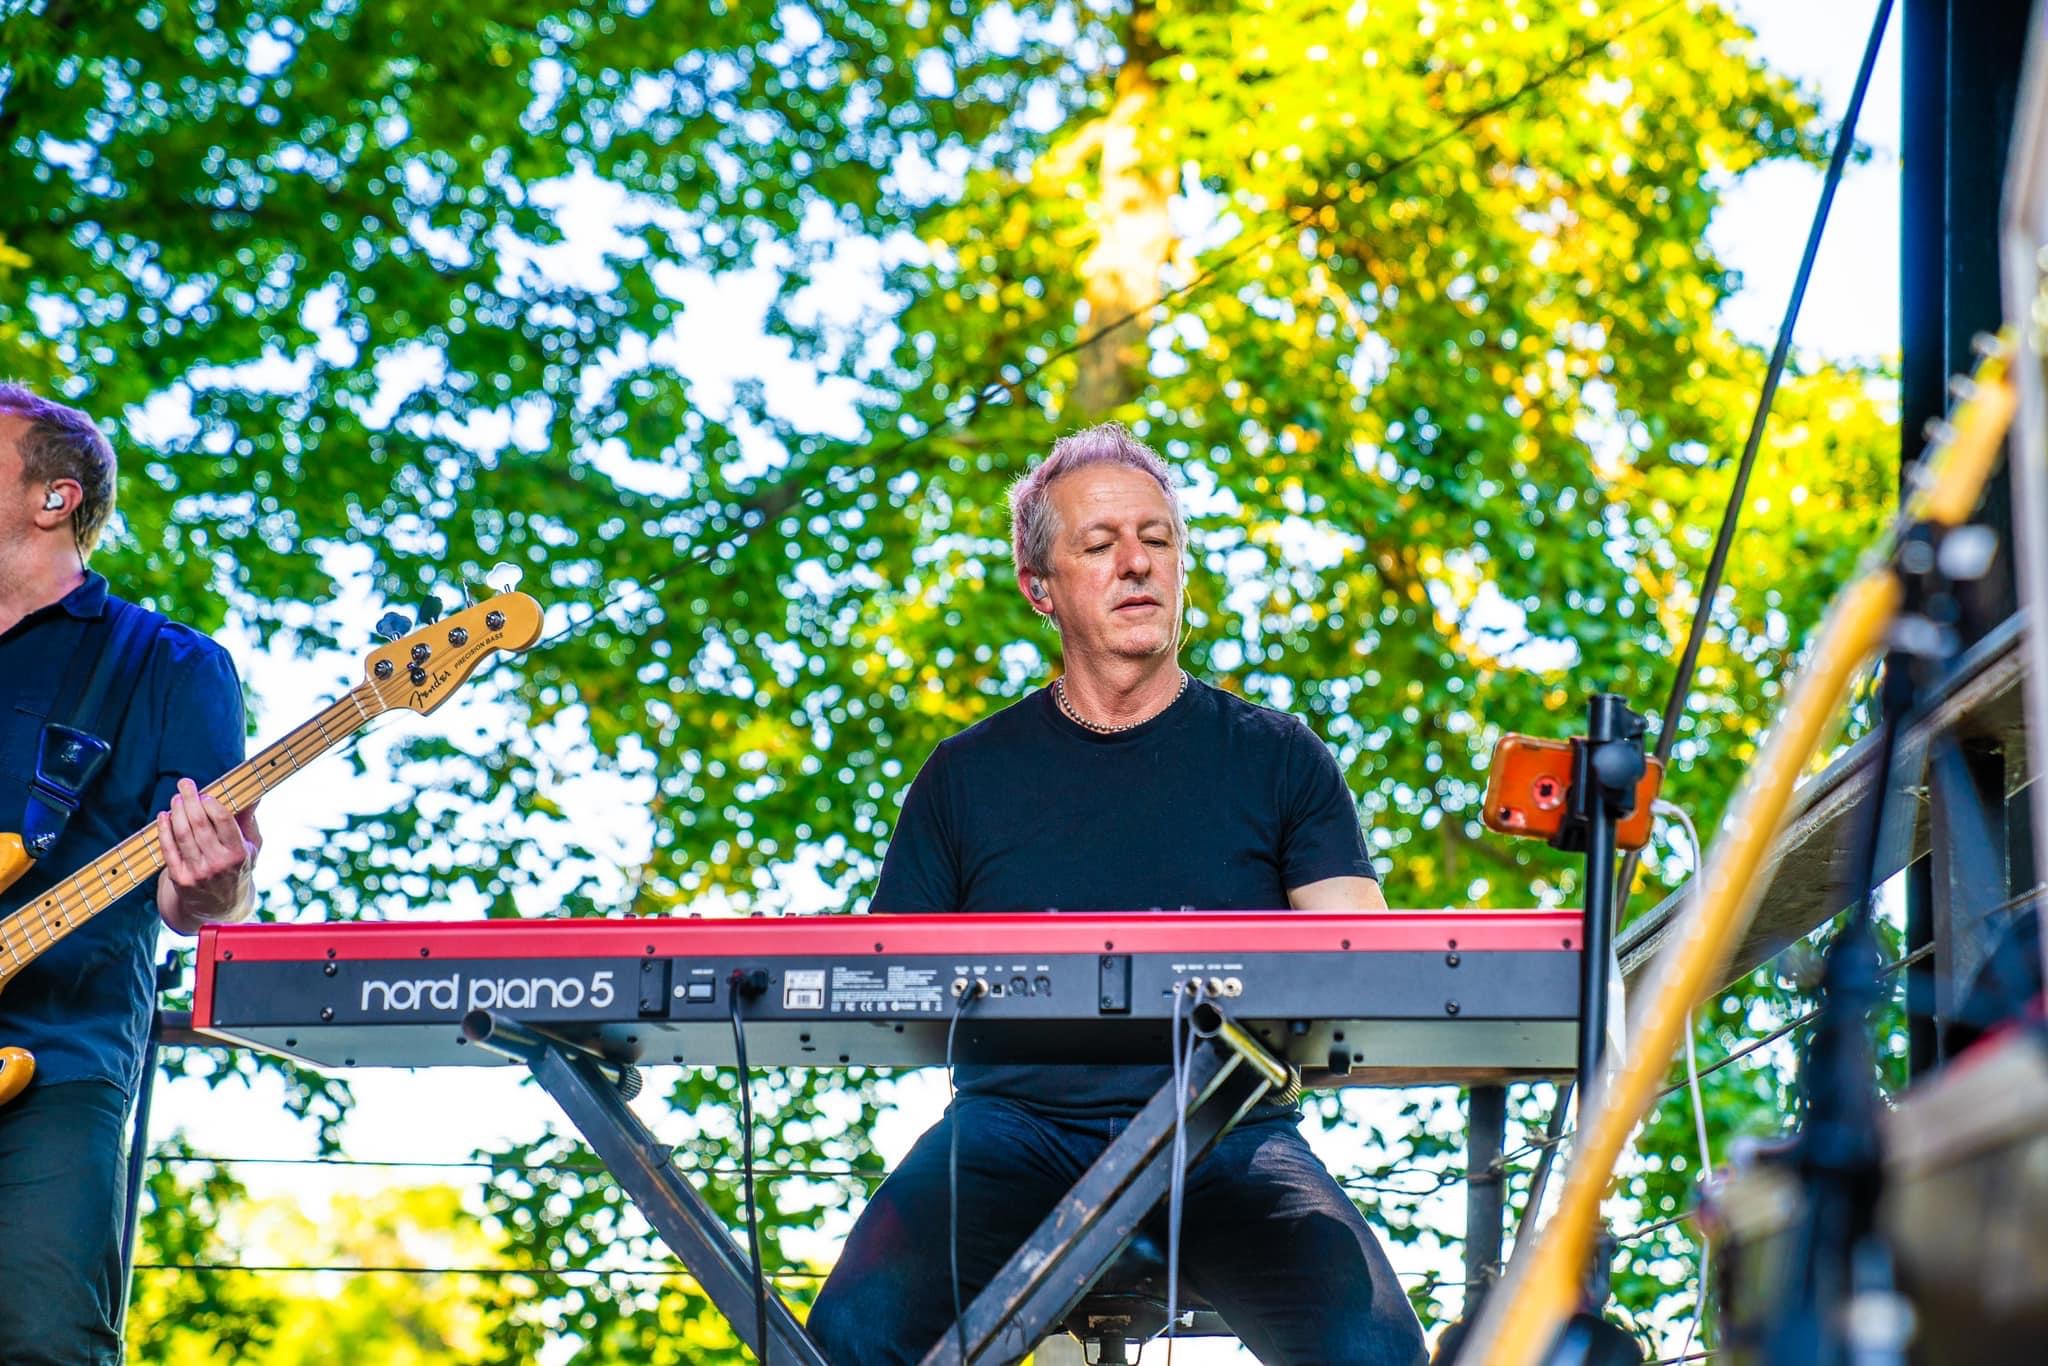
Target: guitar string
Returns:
[[140, 856]]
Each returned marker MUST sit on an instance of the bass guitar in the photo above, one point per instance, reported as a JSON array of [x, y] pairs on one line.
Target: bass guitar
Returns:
[[416, 672]]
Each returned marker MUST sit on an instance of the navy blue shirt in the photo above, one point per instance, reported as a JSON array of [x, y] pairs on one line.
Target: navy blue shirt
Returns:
[[83, 1007], [1215, 804]]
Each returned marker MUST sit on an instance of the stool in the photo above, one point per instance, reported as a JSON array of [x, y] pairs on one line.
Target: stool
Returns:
[[1127, 1304]]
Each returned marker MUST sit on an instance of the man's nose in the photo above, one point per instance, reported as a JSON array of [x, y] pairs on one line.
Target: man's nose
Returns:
[[1137, 561]]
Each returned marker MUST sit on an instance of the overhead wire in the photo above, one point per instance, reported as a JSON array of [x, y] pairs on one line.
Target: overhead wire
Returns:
[[1296, 221], [1898, 964], [1439, 1179], [368, 1269], [586, 1166]]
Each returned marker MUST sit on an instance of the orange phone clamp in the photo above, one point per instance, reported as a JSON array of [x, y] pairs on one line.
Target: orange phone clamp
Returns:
[[1591, 794], [1535, 790]]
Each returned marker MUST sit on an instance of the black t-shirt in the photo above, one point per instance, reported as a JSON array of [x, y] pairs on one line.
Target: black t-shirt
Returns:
[[1215, 804]]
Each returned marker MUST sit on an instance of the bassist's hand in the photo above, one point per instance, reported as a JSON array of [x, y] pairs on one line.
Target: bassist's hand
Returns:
[[209, 859]]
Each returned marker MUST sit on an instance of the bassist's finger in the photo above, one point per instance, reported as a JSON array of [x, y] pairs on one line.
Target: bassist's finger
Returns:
[[221, 824], [174, 866], [191, 844]]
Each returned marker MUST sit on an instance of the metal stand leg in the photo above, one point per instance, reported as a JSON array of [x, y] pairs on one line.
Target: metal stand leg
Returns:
[[1485, 1134], [1486, 1122], [587, 1089], [1095, 1219], [1610, 764]]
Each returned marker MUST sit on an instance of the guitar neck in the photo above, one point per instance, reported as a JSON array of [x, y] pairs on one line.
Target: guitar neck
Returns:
[[40, 923]]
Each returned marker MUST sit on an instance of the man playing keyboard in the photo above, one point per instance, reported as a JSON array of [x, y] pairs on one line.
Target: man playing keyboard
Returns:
[[1124, 785]]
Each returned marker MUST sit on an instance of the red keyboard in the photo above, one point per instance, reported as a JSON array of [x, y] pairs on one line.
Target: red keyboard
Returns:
[[1397, 996]]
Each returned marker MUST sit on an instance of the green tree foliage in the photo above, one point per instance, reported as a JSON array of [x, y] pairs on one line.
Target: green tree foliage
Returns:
[[408, 1309], [1415, 294], [179, 1315]]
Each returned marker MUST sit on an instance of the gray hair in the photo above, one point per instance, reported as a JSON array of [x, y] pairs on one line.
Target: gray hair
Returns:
[[1033, 520], [64, 443]]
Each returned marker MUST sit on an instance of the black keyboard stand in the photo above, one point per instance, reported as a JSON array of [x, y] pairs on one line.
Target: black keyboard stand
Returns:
[[593, 1092], [1094, 1220], [1027, 1299]]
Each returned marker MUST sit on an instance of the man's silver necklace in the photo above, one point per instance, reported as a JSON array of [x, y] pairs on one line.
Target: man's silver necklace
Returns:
[[1059, 692]]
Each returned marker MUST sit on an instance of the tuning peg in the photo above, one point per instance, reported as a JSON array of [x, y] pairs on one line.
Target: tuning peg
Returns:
[[431, 608], [1967, 552], [504, 576], [392, 625]]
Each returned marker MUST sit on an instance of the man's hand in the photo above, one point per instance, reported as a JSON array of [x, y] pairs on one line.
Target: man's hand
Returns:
[[209, 856]]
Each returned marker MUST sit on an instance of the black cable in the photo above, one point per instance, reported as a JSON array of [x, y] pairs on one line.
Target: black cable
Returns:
[[1731, 515], [960, 1003], [1717, 564], [1176, 1192], [1681, 684], [743, 986]]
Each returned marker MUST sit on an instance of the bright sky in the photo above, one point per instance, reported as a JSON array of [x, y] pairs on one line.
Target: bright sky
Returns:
[[442, 1116]]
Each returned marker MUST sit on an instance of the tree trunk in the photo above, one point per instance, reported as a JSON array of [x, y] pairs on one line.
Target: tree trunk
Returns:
[[1121, 275]]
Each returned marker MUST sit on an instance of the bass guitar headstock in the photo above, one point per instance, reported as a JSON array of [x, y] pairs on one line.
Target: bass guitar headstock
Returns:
[[421, 669]]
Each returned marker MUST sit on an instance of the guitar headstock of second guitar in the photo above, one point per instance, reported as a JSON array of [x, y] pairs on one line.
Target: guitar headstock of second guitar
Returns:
[[420, 670], [1964, 446]]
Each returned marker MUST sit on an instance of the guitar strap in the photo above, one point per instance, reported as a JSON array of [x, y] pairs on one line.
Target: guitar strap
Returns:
[[99, 684]]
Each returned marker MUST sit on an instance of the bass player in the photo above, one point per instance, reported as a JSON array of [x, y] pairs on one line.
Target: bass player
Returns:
[[86, 677]]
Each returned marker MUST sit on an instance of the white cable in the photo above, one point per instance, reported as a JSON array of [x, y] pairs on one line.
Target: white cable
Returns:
[[1672, 811]]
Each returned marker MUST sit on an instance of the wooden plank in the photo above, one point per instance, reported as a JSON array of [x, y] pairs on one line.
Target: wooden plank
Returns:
[[1808, 875]]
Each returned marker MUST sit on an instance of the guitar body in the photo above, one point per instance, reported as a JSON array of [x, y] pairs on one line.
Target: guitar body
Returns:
[[17, 1070], [17, 1067], [14, 860]]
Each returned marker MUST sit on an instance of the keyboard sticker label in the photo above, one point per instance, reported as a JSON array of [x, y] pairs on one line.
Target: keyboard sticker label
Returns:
[[803, 989], [897, 990]]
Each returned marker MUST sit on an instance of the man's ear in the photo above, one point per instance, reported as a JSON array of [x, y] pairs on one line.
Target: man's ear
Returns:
[[59, 502], [1034, 590]]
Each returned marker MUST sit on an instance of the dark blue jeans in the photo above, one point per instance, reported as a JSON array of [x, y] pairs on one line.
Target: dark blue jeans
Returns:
[[62, 1198], [1267, 1237]]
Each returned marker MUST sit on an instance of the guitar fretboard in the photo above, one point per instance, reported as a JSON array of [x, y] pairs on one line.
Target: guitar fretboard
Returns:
[[40, 923]]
